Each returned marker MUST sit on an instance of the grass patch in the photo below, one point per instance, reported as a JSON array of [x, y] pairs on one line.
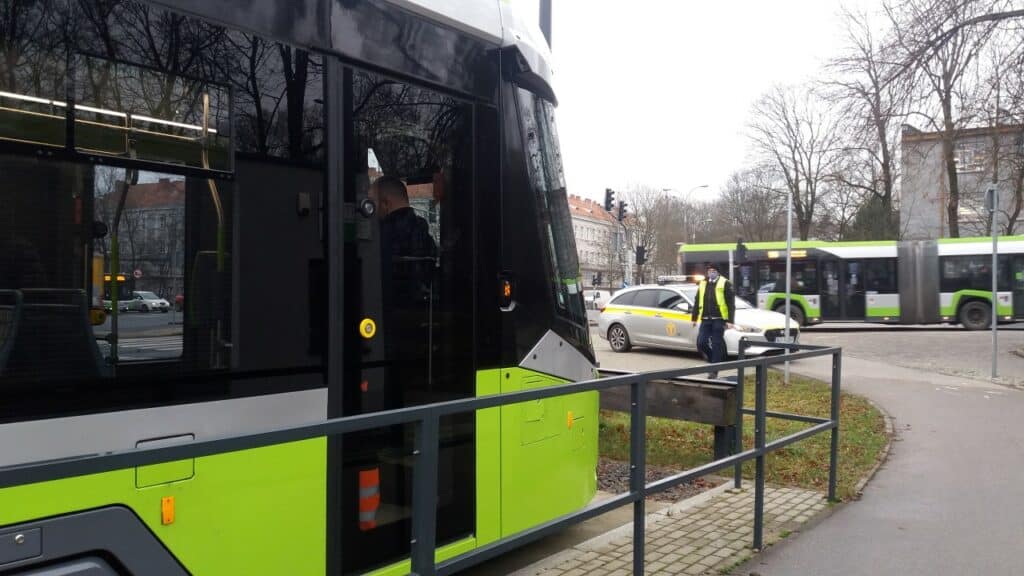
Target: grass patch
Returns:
[[804, 464]]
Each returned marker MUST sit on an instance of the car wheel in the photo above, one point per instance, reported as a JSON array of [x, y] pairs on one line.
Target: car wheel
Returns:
[[976, 315], [795, 312], [618, 338]]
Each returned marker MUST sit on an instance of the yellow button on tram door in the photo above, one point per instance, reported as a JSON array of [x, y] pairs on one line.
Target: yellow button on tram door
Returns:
[[368, 328]]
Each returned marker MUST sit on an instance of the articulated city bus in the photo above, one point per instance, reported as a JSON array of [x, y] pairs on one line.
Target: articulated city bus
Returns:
[[911, 282], [362, 207]]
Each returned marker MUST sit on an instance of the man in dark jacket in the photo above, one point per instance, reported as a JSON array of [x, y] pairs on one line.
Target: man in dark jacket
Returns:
[[405, 241], [716, 311], [408, 266]]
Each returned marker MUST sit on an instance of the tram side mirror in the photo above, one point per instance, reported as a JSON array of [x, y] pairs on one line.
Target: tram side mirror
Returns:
[[99, 230]]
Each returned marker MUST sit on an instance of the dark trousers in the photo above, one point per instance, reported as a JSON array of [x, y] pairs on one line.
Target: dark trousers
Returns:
[[711, 339]]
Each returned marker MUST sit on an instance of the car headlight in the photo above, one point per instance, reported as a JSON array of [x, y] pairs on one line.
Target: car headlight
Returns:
[[746, 329]]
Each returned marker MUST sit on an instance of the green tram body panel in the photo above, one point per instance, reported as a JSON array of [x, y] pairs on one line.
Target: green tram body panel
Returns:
[[257, 511], [262, 511]]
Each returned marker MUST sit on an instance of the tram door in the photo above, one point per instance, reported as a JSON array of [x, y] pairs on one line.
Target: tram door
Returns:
[[852, 290], [831, 302], [409, 285], [1017, 279]]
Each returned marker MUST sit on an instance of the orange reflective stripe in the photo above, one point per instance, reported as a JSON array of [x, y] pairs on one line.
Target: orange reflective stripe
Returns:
[[369, 498], [368, 478], [369, 503]]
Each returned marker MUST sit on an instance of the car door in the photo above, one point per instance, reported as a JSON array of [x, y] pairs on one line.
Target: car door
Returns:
[[687, 331], [670, 323], [644, 323]]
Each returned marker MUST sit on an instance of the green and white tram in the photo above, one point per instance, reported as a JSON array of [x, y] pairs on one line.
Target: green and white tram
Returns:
[[911, 282], [360, 206]]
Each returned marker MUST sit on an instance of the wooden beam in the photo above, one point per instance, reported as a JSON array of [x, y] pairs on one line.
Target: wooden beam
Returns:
[[694, 401]]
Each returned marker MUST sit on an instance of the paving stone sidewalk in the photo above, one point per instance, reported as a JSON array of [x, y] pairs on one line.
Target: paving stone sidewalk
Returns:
[[709, 538]]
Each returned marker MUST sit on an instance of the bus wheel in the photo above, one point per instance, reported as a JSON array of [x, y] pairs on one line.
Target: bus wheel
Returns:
[[976, 315], [795, 312], [619, 338]]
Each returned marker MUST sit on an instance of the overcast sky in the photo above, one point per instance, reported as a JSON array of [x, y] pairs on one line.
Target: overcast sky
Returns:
[[658, 92]]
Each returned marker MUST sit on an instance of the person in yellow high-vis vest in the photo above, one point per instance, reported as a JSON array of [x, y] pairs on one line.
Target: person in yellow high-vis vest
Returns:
[[715, 310]]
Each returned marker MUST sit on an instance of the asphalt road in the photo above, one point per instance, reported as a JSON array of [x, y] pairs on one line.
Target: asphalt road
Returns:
[[949, 498]]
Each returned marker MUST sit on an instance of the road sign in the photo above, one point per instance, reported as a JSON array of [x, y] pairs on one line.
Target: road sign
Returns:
[[137, 274]]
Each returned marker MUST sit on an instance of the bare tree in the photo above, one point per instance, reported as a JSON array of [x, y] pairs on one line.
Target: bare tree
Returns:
[[943, 70], [872, 93], [792, 131], [752, 202]]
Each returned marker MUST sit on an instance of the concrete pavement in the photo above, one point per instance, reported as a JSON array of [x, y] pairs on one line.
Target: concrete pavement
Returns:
[[707, 534], [950, 499]]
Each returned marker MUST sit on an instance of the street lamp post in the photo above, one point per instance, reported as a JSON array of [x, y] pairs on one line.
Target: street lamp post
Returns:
[[789, 272]]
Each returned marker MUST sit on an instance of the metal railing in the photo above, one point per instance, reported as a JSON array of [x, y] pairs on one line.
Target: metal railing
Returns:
[[425, 420]]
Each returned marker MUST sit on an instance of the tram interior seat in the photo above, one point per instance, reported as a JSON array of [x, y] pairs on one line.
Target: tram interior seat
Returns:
[[54, 338]]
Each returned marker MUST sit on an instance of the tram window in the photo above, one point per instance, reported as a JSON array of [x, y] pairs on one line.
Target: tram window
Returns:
[[880, 275], [545, 166], [31, 104], [198, 243], [135, 112], [144, 215]]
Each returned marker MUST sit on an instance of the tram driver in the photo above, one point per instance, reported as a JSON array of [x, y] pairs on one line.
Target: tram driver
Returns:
[[408, 258]]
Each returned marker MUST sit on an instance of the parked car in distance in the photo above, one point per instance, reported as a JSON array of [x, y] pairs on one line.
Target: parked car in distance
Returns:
[[147, 301], [659, 317], [596, 299]]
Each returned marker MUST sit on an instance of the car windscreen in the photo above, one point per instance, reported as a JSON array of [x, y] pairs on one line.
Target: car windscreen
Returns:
[[148, 295]]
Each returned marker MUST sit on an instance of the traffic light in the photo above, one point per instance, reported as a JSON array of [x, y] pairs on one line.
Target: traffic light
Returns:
[[622, 211], [609, 199], [641, 255]]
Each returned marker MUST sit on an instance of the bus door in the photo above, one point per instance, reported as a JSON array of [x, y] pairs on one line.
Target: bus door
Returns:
[[1017, 279], [409, 285], [831, 302], [852, 290]]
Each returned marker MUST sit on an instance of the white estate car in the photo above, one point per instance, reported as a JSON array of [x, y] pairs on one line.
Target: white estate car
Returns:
[[659, 316]]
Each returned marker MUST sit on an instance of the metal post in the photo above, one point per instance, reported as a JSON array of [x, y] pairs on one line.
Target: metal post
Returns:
[[994, 212], [737, 474], [729, 275], [424, 496], [833, 454], [545, 20], [638, 469], [789, 273], [760, 407]]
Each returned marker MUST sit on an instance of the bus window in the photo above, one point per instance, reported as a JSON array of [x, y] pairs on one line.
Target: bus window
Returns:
[[972, 272], [772, 276], [880, 275]]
